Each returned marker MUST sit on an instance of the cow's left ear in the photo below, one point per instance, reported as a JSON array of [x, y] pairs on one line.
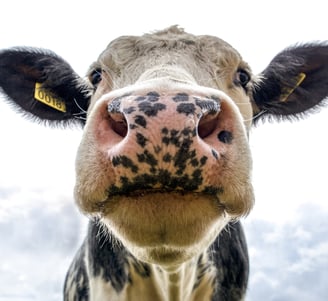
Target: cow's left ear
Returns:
[[295, 81], [42, 85]]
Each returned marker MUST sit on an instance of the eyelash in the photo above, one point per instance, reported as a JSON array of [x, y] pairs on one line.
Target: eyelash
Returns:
[[96, 77], [242, 78]]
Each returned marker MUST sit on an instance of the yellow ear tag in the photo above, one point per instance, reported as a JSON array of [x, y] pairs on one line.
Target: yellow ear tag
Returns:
[[299, 79], [44, 97]]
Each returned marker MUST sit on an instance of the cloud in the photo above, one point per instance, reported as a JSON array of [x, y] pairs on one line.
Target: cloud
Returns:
[[38, 242], [289, 261]]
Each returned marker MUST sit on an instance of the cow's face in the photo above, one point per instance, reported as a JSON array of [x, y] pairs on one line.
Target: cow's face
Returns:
[[164, 159]]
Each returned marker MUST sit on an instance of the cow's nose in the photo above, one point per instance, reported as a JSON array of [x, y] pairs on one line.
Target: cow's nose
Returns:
[[162, 140], [199, 114]]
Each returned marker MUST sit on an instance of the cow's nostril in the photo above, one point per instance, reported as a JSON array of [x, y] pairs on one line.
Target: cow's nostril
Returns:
[[118, 124], [207, 125]]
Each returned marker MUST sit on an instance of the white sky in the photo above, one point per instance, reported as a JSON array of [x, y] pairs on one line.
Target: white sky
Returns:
[[290, 159]]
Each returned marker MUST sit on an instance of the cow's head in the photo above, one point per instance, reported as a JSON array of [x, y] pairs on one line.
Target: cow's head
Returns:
[[164, 159]]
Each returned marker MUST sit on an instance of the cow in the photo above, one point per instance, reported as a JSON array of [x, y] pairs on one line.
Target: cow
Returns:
[[163, 170]]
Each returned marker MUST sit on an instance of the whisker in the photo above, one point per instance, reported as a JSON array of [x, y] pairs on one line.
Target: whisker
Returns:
[[80, 117], [81, 109], [102, 232], [256, 116], [242, 103]]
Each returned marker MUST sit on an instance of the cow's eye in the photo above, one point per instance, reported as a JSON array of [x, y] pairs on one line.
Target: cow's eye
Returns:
[[242, 78], [95, 77]]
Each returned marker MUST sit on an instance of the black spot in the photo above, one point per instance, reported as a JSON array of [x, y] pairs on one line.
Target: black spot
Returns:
[[141, 268], [166, 140], [157, 149], [139, 182], [153, 96], [191, 184], [213, 190], [125, 181], [151, 109], [194, 162], [148, 158], [229, 255], [171, 182], [203, 160], [215, 154], [166, 179], [77, 278], [126, 162], [140, 98], [174, 132], [116, 161], [225, 137], [165, 131], [183, 155], [114, 106], [203, 267], [174, 139], [189, 132], [167, 157], [141, 140], [107, 260], [216, 98], [114, 190], [186, 108], [181, 97], [140, 120], [207, 105], [129, 110], [197, 177], [171, 137]]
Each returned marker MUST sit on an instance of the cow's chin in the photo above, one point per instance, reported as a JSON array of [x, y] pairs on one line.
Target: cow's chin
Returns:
[[165, 228]]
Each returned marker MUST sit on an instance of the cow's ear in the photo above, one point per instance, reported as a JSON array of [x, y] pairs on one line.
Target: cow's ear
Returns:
[[295, 81], [43, 85]]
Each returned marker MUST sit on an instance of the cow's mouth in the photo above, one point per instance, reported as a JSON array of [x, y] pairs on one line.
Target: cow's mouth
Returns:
[[150, 222]]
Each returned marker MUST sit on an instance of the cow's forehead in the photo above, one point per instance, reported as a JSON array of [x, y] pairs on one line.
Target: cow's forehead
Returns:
[[172, 41], [209, 60]]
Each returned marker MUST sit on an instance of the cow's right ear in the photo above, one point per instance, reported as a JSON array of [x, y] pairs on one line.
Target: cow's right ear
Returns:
[[43, 85]]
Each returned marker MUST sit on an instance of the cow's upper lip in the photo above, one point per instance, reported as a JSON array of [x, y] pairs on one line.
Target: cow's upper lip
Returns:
[[142, 193]]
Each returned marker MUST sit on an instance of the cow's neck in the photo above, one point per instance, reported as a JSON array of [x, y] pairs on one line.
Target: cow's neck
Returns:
[[191, 280], [115, 272]]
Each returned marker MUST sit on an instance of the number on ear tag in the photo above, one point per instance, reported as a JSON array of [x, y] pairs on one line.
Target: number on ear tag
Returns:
[[46, 98]]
